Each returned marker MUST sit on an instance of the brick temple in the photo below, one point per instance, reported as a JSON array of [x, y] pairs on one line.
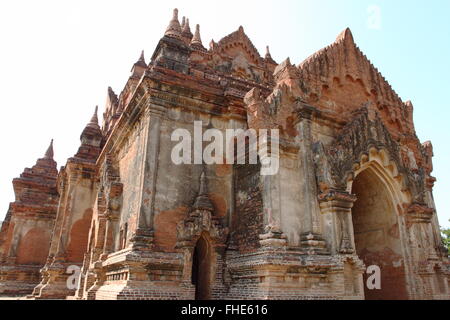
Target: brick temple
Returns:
[[120, 220]]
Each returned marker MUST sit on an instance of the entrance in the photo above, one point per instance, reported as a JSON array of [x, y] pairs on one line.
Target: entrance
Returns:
[[377, 236], [201, 269]]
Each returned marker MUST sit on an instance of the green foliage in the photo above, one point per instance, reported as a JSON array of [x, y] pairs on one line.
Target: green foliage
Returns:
[[446, 238]]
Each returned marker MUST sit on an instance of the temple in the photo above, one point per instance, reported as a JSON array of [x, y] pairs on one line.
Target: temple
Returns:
[[351, 200]]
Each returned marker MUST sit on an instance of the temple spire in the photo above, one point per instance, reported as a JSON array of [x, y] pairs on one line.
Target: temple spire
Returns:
[[141, 61], [186, 32], [92, 136], [94, 119], [268, 56], [196, 40], [203, 189], [186, 27], [174, 28], [49, 153], [202, 202], [142, 57], [139, 67], [93, 123], [346, 36]]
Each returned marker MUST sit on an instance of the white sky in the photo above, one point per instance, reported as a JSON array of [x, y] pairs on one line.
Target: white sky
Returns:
[[57, 59]]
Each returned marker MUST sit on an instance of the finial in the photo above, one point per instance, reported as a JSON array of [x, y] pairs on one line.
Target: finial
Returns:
[[142, 57], [183, 22], [141, 60], [268, 56], [174, 28], [186, 33], [49, 152], [203, 189], [202, 202], [91, 129], [137, 72], [196, 40], [186, 27], [212, 44], [345, 35], [94, 119]]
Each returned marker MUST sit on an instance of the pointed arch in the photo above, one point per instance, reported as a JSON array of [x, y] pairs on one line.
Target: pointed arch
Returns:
[[378, 228], [202, 263]]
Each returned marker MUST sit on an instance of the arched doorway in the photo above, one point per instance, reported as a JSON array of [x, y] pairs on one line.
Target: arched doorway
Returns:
[[201, 269], [377, 235]]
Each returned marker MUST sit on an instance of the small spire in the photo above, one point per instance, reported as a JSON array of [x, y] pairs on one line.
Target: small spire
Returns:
[[202, 202], [138, 68], [203, 189], [186, 33], [186, 27], [141, 61], [142, 57], [196, 40], [212, 44], [269, 56], [183, 22], [92, 133], [345, 35], [94, 119], [409, 103], [174, 28], [49, 152], [286, 64]]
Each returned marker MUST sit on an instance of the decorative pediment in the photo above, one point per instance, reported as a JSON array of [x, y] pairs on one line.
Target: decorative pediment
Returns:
[[239, 44], [344, 59], [335, 163], [197, 222], [235, 55], [201, 219]]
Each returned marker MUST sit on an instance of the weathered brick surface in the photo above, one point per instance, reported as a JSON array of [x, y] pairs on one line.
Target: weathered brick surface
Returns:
[[26, 232], [353, 189], [248, 220]]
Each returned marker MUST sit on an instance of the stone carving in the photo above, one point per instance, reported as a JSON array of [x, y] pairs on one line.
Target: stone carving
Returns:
[[201, 219], [335, 163], [286, 236]]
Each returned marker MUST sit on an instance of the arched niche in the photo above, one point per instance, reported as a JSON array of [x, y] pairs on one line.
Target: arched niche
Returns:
[[78, 238], [33, 247], [377, 230], [202, 268]]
